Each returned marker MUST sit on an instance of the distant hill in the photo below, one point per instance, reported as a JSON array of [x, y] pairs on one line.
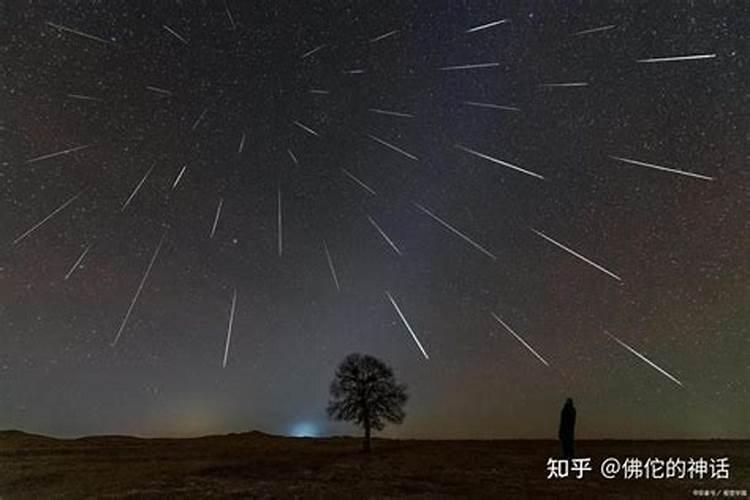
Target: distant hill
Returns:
[[19, 439], [15, 438]]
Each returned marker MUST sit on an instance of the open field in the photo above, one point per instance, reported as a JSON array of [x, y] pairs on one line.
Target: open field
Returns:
[[256, 465]]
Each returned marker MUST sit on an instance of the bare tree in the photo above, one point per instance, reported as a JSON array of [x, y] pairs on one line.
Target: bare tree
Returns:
[[365, 391]]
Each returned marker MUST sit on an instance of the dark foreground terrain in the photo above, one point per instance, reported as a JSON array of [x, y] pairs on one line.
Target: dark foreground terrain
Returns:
[[255, 465]]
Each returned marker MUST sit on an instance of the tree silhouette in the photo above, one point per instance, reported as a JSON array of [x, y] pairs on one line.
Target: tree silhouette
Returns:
[[365, 391]]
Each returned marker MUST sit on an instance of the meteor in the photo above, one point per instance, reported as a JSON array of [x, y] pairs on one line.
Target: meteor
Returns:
[[176, 35], [491, 106], [242, 144], [76, 32], [595, 30], [85, 97], [576, 254], [358, 181], [140, 287], [306, 128], [229, 329], [664, 169], [385, 236], [384, 36], [391, 113], [330, 266], [394, 148], [694, 57], [159, 90], [313, 51], [644, 358], [570, 84], [470, 66], [54, 212], [200, 118], [216, 218], [229, 15], [518, 337], [485, 26], [179, 176], [137, 188], [77, 263], [58, 153], [407, 325], [291, 155], [456, 232], [499, 162]]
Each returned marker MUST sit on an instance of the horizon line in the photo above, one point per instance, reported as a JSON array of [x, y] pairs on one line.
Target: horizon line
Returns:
[[356, 436]]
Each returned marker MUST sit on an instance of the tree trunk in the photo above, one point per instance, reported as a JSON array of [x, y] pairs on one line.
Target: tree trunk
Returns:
[[366, 443]]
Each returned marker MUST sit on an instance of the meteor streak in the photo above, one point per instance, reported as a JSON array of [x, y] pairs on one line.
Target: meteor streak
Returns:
[[39, 224], [330, 266], [176, 35], [291, 155], [358, 181], [665, 169], [81, 97], [229, 329], [79, 33], [383, 36], [385, 236], [570, 84], [518, 337], [391, 113], [644, 358], [595, 30], [407, 325], [499, 162], [485, 26], [242, 144], [313, 51], [179, 176], [58, 153], [693, 57], [491, 106], [394, 148], [200, 118], [159, 90], [229, 15], [576, 254], [140, 287], [306, 128], [137, 188], [216, 218], [470, 66], [77, 263], [456, 232]]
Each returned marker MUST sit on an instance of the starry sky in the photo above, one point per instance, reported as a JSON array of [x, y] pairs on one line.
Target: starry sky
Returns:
[[555, 209]]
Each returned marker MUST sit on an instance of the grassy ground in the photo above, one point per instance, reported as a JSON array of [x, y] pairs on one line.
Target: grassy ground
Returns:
[[255, 465]]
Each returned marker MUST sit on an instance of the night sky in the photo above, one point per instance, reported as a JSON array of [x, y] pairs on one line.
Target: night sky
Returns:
[[402, 171]]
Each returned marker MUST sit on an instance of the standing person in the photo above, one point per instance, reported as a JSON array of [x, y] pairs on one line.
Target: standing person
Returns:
[[567, 428]]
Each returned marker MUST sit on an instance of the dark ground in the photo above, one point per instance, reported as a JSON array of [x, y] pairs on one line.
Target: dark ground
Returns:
[[256, 465]]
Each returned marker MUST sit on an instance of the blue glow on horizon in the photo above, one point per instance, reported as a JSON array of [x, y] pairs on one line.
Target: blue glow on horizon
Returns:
[[304, 429]]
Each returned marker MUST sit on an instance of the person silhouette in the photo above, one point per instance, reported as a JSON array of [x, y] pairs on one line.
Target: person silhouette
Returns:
[[567, 428]]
